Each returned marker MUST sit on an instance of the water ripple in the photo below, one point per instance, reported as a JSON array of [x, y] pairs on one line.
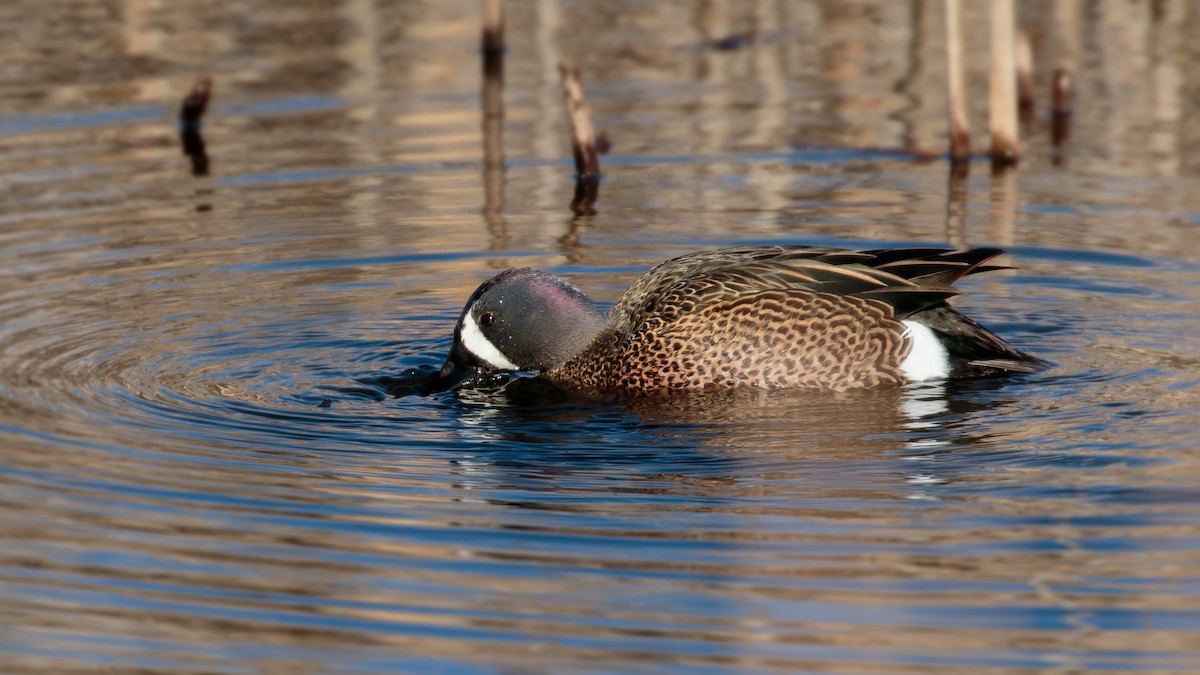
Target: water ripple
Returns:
[[215, 458]]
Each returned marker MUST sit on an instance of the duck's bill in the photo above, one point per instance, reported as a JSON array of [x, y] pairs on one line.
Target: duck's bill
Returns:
[[461, 370], [454, 375]]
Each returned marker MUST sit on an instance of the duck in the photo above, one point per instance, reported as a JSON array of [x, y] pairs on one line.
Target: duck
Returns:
[[767, 317]]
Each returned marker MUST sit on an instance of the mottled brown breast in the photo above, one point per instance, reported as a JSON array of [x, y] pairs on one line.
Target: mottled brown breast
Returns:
[[768, 339]]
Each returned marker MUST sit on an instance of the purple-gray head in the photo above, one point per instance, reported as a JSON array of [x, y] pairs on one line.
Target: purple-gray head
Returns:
[[520, 320]]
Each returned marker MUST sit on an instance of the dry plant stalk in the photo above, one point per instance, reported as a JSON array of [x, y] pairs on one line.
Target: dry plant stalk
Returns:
[[1024, 56], [1062, 92], [960, 128], [583, 135], [1060, 119], [196, 102], [1003, 119], [493, 28]]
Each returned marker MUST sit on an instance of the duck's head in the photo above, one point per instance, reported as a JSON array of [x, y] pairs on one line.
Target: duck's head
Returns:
[[519, 320]]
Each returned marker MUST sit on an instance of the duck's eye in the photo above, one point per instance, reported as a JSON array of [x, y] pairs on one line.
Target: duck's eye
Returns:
[[487, 318]]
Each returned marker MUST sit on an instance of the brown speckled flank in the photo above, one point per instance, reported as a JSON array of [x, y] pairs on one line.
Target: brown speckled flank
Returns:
[[768, 339], [757, 316]]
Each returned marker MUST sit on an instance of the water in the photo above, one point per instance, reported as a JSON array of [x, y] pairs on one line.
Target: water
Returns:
[[174, 499]]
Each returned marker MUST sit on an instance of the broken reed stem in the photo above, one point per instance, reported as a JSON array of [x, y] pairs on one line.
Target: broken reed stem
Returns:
[[960, 128], [587, 191], [1062, 91], [190, 112], [1060, 119], [493, 29], [493, 117], [195, 103], [1024, 63], [583, 135], [1002, 102]]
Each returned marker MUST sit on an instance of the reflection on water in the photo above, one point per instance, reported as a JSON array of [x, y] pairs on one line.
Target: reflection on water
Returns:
[[213, 459]]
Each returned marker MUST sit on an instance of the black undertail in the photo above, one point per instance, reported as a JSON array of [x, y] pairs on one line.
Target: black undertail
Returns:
[[975, 351]]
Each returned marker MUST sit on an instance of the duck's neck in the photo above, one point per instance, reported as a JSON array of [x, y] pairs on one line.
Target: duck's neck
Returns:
[[587, 366], [582, 325]]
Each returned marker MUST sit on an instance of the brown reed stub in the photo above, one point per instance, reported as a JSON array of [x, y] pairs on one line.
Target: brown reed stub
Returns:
[[1061, 92], [1024, 58], [1006, 147], [960, 128], [1060, 117], [196, 102], [583, 135], [190, 112], [603, 143], [732, 42], [493, 28], [493, 40], [587, 191]]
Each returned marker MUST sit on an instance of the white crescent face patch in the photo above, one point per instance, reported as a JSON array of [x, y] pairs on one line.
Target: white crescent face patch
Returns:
[[482, 348]]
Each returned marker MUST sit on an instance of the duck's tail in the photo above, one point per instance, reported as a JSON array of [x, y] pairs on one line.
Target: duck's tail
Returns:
[[973, 350]]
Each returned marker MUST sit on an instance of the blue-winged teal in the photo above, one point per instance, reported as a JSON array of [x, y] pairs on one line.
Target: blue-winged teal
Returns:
[[758, 316]]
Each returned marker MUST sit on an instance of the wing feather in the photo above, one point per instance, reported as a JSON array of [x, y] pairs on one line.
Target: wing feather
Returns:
[[907, 280]]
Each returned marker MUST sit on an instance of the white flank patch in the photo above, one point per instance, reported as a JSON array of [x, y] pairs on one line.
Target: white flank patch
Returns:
[[928, 359], [483, 349]]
